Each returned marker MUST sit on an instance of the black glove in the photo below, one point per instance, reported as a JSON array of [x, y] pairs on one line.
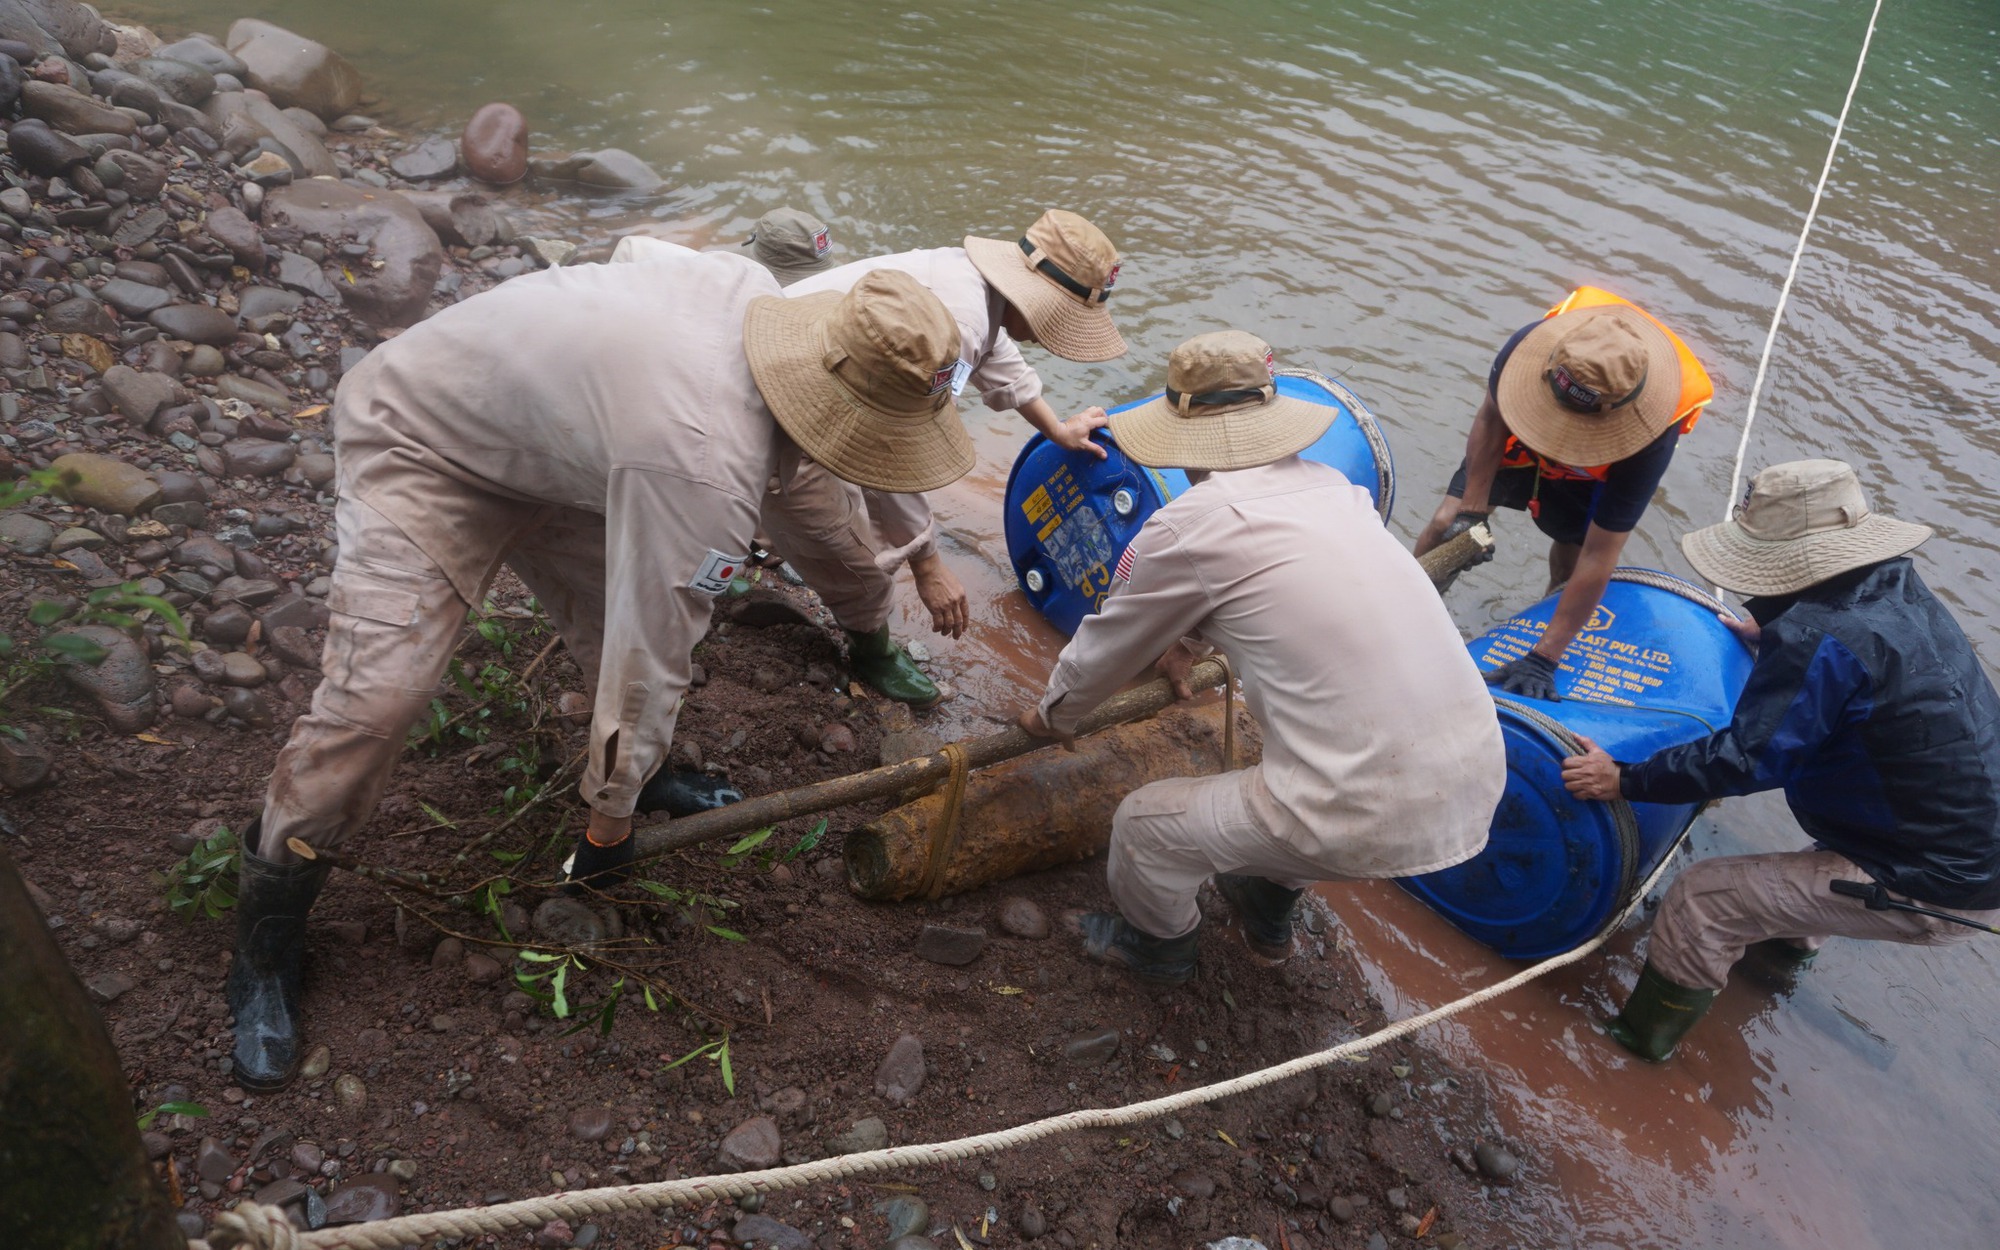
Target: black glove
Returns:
[[683, 794], [598, 867], [1533, 676], [1464, 521]]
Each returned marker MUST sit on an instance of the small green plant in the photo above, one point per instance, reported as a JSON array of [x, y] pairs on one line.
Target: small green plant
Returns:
[[204, 883], [716, 1052], [757, 845], [171, 1108], [551, 987]]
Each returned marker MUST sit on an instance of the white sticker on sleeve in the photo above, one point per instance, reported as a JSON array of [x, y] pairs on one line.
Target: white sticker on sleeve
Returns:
[[714, 575], [961, 373]]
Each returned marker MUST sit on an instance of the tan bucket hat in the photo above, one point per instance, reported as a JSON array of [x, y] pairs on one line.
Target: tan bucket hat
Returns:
[[862, 381], [1221, 411], [791, 244], [1800, 524], [1059, 275], [1592, 386]]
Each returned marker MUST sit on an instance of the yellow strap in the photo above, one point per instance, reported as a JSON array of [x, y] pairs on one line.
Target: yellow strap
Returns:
[[944, 829]]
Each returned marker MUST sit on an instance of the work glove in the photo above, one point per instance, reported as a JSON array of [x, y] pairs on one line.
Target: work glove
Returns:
[[1533, 676], [1464, 521], [594, 867]]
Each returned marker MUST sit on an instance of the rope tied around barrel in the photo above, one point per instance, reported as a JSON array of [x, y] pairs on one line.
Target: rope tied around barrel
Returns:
[[944, 827]]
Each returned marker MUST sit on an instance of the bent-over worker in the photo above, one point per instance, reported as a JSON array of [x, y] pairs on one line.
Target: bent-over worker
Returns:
[[1050, 287], [792, 244], [1867, 705], [606, 431], [1382, 756], [1582, 412]]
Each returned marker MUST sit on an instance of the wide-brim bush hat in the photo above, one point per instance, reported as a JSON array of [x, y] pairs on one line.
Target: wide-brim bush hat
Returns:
[[1800, 524], [1591, 386], [1221, 410], [1059, 274], [862, 381]]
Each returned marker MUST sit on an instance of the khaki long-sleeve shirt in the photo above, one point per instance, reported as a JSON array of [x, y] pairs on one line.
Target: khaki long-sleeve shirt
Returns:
[[1381, 746], [992, 361], [617, 389]]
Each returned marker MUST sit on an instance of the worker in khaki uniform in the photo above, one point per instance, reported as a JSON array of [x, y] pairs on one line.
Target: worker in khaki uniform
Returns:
[[1869, 707], [1051, 287], [607, 431], [1382, 755]]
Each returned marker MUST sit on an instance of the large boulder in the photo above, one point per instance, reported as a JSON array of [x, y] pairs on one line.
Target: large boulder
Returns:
[[105, 483], [76, 27], [295, 71], [42, 148], [178, 80], [241, 119], [199, 50], [71, 110], [118, 677], [394, 295], [495, 144], [18, 24], [458, 217]]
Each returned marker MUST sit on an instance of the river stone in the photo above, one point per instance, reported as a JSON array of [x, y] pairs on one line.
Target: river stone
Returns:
[[140, 227], [242, 119], [256, 457], [251, 591], [188, 512], [868, 1134], [303, 274], [228, 625], [121, 683], [204, 362], [901, 1074], [134, 299], [247, 706], [69, 27], [295, 647], [319, 468], [125, 91], [433, 158], [44, 150], [768, 1234], [105, 483], [255, 304], [239, 669], [1495, 1162], [71, 110], [293, 70], [1022, 918], [180, 488], [144, 177], [590, 1123], [177, 80], [568, 922], [11, 79], [79, 315], [204, 54], [237, 233], [250, 392], [618, 170], [1092, 1048], [950, 944], [196, 323], [456, 217], [495, 144], [203, 549], [139, 396], [394, 295], [751, 1145], [27, 535], [364, 1199]]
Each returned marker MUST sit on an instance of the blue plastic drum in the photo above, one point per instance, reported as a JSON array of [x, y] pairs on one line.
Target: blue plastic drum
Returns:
[[1653, 668], [1069, 516]]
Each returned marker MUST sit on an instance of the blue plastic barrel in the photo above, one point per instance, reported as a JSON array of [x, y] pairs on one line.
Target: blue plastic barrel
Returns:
[[1652, 668], [1069, 515]]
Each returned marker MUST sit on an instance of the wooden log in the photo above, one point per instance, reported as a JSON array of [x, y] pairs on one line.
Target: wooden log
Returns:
[[73, 1174], [1042, 811]]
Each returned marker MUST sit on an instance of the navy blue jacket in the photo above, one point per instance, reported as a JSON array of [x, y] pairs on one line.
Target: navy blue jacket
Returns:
[[1868, 706]]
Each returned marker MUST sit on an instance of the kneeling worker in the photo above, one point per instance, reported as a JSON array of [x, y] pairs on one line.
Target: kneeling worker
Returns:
[[1382, 757], [1582, 412], [1868, 706]]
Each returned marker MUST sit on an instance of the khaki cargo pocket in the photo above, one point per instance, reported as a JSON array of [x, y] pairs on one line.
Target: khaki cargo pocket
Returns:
[[358, 596]]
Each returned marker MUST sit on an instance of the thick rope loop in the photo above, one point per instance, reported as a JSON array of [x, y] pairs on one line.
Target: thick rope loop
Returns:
[[944, 829]]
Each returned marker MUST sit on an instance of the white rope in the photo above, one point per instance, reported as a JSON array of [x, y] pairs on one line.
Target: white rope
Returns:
[[249, 1227], [1785, 292]]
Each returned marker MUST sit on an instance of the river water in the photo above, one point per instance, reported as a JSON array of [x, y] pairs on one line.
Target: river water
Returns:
[[1385, 190]]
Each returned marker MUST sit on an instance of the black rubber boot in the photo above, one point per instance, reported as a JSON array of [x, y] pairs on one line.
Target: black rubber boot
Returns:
[[266, 975], [1264, 909], [1108, 939], [593, 867], [885, 667], [684, 794], [1658, 1016]]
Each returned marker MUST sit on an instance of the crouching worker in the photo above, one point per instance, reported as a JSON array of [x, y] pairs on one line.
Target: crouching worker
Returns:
[[607, 432], [1382, 754], [1868, 706]]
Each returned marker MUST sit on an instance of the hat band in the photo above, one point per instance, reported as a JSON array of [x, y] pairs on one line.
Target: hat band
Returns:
[[1181, 402], [1577, 397], [1054, 273]]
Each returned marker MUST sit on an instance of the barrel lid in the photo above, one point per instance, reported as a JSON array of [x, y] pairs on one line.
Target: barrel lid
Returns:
[[1554, 867]]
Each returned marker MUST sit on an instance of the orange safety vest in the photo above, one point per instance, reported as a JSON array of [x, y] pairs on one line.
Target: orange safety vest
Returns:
[[1696, 389]]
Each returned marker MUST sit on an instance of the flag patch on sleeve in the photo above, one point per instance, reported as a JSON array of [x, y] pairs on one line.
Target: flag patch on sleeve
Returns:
[[714, 575]]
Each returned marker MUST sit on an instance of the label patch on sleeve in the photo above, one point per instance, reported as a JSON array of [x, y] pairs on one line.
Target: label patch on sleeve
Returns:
[[1123, 572], [714, 575], [961, 373]]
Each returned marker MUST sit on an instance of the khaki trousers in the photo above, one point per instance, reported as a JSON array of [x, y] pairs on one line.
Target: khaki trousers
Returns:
[[395, 624], [820, 525], [1718, 907], [1170, 836]]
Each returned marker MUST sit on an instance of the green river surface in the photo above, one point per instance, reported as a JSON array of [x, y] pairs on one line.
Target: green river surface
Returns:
[[1386, 190]]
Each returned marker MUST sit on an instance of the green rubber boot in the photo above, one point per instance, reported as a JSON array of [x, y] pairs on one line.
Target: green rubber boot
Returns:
[[886, 668], [1658, 1016]]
